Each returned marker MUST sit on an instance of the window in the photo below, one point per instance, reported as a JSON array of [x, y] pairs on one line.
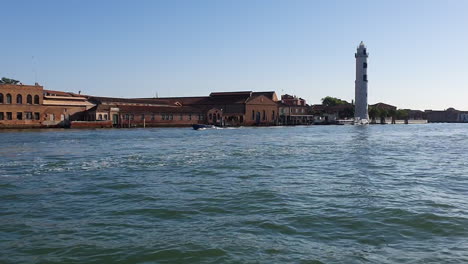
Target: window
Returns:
[[365, 51], [132, 116], [28, 115], [152, 117], [19, 116], [36, 99], [29, 99], [264, 115], [105, 117], [100, 117], [163, 116], [37, 116], [19, 99], [62, 117], [52, 117], [273, 115], [142, 117], [1, 116], [9, 115], [364, 65], [181, 117], [8, 99], [127, 117], [1, 98], [210, 116], [171, 117], [364, 77], [253, 115], [190, 117]]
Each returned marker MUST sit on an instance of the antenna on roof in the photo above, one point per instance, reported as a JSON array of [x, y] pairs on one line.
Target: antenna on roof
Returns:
[[34, 69]]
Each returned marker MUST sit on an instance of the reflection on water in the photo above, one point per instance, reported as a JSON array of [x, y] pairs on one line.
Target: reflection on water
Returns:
[[320, 194]]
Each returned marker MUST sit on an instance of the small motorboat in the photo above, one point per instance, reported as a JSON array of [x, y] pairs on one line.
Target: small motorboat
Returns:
[[203, 127]]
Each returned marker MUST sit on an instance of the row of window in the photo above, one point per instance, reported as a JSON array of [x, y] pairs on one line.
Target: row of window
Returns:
[[102, 117], [164, 116], [263, 117], [19, 99], [20, 116], [294, 110], [214, 116]]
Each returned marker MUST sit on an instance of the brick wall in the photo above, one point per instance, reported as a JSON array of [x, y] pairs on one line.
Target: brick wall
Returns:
[[20, 105]]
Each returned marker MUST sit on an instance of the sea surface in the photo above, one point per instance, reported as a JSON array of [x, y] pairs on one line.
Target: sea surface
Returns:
[[317, 194]]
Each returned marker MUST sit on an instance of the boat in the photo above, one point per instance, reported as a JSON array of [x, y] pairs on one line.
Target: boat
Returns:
[[358, 121], [203, 127]]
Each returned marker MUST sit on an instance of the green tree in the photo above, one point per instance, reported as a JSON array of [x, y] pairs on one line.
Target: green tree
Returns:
[[373, 113], [402, 114], [8, 81], [392, 113], [332, 101], [383, 113]]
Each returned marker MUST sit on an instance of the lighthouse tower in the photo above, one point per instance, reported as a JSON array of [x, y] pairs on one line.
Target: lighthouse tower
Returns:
[[361, 114]]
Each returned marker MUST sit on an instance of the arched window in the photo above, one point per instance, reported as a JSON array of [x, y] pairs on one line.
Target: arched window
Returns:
[[210, 116], [19, 99], [100, 117], [29, 99], [36, 99], [1, 98], [273, 115], [105, 117], [8, 98], [264, 115], [253, 115]]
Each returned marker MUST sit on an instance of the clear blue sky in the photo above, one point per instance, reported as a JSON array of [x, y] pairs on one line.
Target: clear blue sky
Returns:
[[418, 49]]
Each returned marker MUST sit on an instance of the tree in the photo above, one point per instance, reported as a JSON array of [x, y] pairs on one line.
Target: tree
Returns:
[[383, 113], [392, 113], [8, 81], [347, 112], [332, 101], [373, 113], [402, 114]]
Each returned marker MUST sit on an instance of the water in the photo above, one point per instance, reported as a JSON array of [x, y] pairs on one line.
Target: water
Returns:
[[320, 194]]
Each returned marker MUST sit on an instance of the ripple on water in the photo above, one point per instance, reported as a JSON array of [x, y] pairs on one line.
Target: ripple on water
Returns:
[[337, 194]]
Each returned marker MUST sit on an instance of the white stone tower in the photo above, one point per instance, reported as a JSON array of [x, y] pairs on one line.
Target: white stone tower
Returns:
[[361, 113]]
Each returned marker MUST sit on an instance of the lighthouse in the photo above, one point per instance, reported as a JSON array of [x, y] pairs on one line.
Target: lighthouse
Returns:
[[361, 114]]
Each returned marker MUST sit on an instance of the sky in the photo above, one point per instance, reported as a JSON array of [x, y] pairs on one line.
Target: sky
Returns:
[[418, 49]]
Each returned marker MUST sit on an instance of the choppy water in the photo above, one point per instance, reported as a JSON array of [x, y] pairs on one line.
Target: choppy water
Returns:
[[320, 194]]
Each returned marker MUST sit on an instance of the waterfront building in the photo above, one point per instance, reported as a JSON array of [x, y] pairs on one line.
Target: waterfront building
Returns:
[[451, 115], [244, 108], [294, 110], [62, 108], [384, 106], [21, 105], [122, 112], [331, 114], [361, 113]]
